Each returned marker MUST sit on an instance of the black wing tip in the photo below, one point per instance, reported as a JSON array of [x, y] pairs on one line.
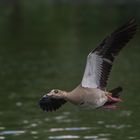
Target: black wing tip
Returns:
[[133, 23], [45, 104], [132, 20], [49, 104], [130, 26]]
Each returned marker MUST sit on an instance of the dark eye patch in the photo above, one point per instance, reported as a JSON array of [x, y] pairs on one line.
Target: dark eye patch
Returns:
[[55, 91]]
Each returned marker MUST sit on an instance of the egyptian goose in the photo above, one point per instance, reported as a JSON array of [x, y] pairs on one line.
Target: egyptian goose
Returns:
[[91, 92]]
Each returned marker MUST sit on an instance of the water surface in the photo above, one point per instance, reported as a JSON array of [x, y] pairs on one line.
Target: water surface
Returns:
[[43, 45]]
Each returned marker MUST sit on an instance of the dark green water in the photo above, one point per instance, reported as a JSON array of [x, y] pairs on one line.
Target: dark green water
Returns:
[[43, 45]]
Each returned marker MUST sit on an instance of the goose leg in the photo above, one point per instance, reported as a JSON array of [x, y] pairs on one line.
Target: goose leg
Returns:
[[113, 99]]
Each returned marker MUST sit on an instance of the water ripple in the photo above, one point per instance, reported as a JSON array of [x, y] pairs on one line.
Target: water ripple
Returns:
[[2, 127], [101, 136], [11, 132], [117, 126], [64, 137], [69, 129], [2, 137], [34, 132], [131, 138], [125, 113], [90, 137]]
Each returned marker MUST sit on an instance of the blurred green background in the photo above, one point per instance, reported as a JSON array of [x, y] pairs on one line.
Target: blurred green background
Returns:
[[43, 45]]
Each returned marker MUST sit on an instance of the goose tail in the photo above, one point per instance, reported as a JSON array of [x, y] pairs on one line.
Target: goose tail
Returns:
[[116, 91]]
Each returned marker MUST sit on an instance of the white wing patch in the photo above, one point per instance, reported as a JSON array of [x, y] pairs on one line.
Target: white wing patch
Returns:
[[91, 78]]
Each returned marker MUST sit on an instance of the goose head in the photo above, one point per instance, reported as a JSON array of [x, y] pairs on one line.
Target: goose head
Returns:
[[56, 93]]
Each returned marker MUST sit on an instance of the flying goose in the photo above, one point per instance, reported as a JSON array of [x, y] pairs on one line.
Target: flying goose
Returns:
[[91, 92]]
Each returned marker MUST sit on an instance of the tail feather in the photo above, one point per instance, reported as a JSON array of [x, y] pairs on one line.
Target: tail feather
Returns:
[[116, 92]]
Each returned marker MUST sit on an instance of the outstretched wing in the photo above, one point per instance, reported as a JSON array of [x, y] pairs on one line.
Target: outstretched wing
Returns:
[[48, 103], [100, 60]]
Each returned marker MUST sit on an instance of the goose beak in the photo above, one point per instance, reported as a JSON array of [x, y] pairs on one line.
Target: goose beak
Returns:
[[49, 94]]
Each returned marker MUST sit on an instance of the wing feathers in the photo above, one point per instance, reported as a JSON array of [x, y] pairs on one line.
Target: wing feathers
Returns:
[[48, 103], [100, 60]]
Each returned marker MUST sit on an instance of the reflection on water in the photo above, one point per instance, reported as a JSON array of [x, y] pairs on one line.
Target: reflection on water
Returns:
[[69, 129], [9, 132], [20, 132], [64, 137], [70, 135], [117, 126], [43, 46], [2, 137], [95, 132]]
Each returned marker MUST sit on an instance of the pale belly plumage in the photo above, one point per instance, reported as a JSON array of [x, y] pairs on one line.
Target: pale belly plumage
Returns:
[[87, 97], [93, 104]]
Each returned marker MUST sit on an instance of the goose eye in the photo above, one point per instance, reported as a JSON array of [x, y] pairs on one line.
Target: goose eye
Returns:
[[55, 91]]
